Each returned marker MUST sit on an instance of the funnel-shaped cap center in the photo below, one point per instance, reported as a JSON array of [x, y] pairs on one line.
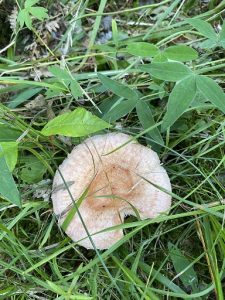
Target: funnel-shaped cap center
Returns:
[[110, 187]]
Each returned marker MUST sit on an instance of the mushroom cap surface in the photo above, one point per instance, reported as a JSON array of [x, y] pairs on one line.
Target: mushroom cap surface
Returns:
[[115, 187]]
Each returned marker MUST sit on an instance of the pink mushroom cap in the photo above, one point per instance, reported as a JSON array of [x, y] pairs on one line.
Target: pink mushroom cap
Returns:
[[118, 180]]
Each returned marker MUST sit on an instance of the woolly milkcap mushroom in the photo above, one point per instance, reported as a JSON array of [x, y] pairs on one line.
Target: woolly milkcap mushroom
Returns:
[[118, 183]]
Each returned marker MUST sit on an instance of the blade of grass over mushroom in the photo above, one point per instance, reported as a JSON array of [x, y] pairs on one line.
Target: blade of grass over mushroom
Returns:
[[73, 210], [8, 188], [145, 116], [77, 123], [117, 88], [211, 91], [180, 53], [179, 100], [112, 196], [169, 71], [142, 49]]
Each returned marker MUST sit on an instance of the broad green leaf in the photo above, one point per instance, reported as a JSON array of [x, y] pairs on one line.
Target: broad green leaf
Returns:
[[8, 133], [181, 53], [67, 79], [183, 268], [159, 89], [24, 15], [8, 188], [75, 89], [22, 97], [204, 28], [198, 101], [27, 20], [60, 73], [33, 170], [39, 12], [24, 18], [222, 32], [10, 152], [145, 116], [142, 49], [29, 3], [208, 44], [221, 43], [117, 88], [20, 17], [115, 33], [77, 123], [211, 91], [160, 57], [179, 100], [108, 103], [120, 110], [73, 210], [169, 71], [52, 93]]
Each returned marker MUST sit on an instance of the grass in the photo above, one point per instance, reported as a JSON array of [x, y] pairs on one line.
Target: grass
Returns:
[[177, 256]]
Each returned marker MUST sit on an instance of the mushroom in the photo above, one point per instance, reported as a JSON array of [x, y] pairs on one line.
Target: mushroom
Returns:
[[118, 180]]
